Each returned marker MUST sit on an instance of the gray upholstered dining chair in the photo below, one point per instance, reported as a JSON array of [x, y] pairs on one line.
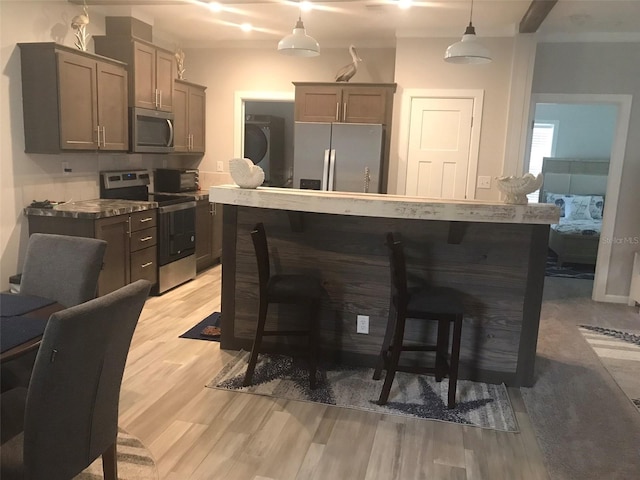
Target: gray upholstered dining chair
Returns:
[[69, 412], [62, 268]]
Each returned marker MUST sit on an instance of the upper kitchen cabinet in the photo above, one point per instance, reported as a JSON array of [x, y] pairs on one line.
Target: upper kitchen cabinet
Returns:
[[346, 103], [189, 103], [72, 100], [151, 70]]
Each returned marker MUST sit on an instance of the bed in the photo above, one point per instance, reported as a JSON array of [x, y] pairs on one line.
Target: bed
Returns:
[[577, 186]]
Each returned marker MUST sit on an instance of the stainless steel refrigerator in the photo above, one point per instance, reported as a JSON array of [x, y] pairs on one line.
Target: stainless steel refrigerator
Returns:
[[343, 157]]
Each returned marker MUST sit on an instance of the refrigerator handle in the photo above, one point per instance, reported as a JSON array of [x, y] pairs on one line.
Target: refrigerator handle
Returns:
[[325, 170], [332, 166]]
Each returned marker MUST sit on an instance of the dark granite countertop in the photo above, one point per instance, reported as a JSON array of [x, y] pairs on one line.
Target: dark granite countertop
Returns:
[[98, 208]]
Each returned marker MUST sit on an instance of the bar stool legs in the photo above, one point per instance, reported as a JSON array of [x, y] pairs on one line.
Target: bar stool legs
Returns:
[[428, 304], [257, 343]]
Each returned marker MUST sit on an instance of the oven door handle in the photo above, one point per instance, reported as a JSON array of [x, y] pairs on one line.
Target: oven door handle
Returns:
[[177, 207]]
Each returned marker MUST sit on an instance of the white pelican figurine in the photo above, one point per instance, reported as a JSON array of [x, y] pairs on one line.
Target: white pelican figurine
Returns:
[[348, 71]]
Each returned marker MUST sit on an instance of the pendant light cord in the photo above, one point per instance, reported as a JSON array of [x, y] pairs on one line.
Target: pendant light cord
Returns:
[[471, 13]]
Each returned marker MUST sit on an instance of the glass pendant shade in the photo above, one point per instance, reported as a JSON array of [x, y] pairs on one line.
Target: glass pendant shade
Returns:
[[299, 44]]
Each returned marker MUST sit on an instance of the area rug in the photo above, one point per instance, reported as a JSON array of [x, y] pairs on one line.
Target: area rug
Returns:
[[568, 270], [479, 404], [207, 329], [135, 462], [619, 352]]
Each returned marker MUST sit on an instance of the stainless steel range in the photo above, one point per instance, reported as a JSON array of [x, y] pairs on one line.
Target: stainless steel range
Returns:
[[176, 224]]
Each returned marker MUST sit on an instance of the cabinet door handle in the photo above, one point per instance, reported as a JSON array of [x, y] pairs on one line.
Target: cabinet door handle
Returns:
[[145, 220], [145, 265], [160, 101], [129, 227], [104, 137], [98, 128], [337, 111], [155, 100], [145, 239], [344, 112]]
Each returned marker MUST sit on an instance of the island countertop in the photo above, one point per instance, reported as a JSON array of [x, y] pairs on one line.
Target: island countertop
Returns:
[[494, 254], [384, 205]]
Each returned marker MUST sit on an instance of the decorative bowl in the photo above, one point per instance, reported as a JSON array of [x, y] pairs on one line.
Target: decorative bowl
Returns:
[[245, 173], [517, 188]]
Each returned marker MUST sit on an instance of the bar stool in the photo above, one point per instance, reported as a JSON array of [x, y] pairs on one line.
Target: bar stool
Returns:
[[443, 305], [284, 288]]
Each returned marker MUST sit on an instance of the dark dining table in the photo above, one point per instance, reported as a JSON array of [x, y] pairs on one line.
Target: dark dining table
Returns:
[[23, 319]]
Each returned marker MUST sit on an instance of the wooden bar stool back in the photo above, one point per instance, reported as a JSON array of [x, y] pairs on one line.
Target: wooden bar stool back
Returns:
[[443, 305], [284, 288]]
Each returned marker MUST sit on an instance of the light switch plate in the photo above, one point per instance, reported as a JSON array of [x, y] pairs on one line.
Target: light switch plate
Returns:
[[484, 181], [220, 166]]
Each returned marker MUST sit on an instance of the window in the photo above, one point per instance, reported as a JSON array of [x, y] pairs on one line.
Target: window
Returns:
[[543, 143]]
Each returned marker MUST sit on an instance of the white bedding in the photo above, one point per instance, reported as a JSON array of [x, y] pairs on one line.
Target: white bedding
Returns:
[[578, 227]]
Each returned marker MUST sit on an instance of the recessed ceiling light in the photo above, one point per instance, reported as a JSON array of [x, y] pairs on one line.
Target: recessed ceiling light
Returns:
[[215, 7], [306, 6], [404, 4], [246, 27]]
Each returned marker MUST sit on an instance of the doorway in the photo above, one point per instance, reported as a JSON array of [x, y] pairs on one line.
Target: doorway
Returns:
[[269, 117], [439, 142], [608, 139], [441, 131]]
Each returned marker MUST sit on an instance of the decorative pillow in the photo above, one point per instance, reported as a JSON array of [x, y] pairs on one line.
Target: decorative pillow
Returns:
[[577, 207], [559, 200], [596, 207]]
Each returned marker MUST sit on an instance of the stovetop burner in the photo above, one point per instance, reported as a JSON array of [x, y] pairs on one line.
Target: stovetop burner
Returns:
[[133, 185]]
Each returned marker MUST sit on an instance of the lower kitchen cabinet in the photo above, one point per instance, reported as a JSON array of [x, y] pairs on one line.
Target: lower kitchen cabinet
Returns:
[[143, 244], [208, 234], [115, 266], [131, 252]]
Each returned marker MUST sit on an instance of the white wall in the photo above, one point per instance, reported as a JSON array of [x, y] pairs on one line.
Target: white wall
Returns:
[[603, 68], [227, 71], [419, 65], [27, 177], [584, 131]]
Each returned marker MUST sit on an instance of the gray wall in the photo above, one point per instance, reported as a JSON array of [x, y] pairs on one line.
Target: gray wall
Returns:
[[584, 131], [603, 68]]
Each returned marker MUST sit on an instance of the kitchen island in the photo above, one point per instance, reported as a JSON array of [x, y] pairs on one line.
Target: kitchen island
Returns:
[[492, 252]]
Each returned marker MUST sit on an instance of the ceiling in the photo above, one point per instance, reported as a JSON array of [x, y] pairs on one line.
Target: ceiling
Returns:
[[367, 23]]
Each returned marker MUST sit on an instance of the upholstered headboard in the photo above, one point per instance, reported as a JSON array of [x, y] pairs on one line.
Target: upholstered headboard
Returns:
[[577, 176]]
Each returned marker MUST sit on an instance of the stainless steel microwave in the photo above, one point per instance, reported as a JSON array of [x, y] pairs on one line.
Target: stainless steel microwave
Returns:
[[151, 131]]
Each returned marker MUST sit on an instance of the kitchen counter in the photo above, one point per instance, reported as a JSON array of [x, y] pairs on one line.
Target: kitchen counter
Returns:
[[92, 209], [493, 253], [384, 206], [198, 195]]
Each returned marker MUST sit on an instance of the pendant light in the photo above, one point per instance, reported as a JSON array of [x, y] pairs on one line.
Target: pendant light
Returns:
[[468, 50], [299, 44]]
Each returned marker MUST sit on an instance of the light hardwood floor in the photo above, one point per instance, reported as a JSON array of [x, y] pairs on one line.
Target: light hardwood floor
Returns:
[[201, 433]]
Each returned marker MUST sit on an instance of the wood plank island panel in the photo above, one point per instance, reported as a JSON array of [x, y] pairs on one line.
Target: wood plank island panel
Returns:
[[498, 266]]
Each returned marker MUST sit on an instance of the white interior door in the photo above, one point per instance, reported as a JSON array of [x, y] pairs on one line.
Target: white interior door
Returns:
[[439, 147]]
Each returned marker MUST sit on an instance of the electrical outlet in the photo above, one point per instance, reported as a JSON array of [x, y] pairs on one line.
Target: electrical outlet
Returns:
[[484, 182], [220, 166], [66, 170], [363, 324]]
